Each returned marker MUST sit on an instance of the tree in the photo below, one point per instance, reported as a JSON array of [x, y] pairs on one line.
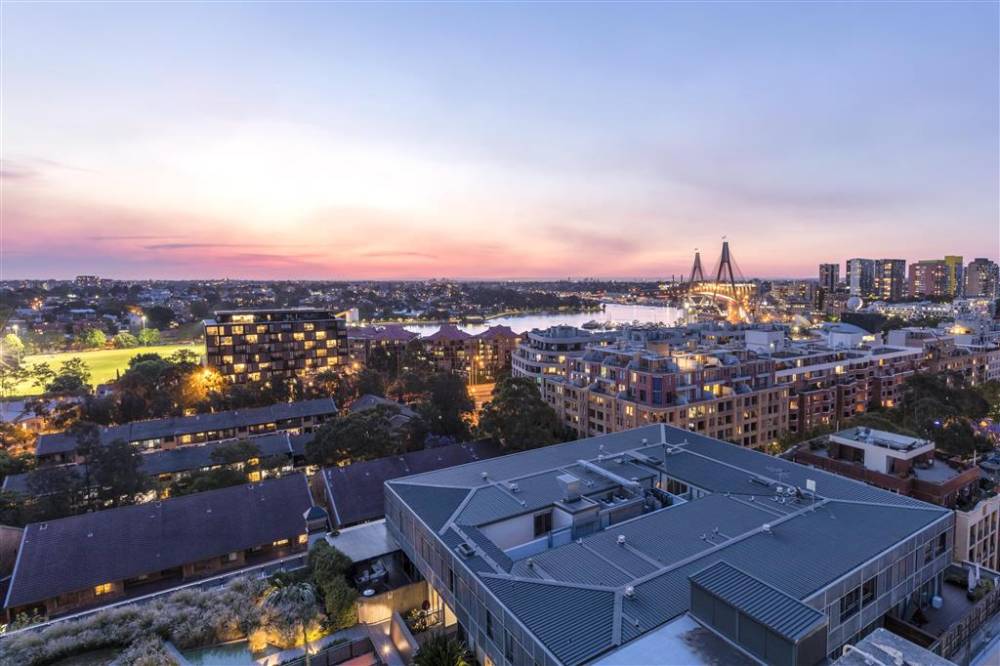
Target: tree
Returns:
[[12, 377], [517, 418], [158, 317], [125, 340], [239, 451], [335, 384], [213, 479], [42, 375], [12, 346], [370, 382], [57, 492], [340, 604], [441, 650], [291, 609], [360, 436], [148, 337], [115, 470], [327, 564], [73, 378], [93, 338], [14, 464], [447, 406]]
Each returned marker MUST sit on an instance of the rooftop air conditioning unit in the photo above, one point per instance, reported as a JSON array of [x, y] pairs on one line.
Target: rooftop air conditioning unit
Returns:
[[621, 539], [465, 550], [570, 487]]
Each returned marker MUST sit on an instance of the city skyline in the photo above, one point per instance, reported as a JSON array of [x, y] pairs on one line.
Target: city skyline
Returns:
[[494, 141]]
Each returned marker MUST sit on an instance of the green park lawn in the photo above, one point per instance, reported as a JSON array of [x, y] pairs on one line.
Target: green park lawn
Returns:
[[104, 364]]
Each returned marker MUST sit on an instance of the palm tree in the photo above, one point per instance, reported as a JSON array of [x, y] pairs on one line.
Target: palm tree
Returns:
[[440, 650], [293, 606]]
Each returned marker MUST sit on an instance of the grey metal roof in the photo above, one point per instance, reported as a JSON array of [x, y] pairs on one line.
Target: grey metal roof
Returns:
[[490, 549], [139, 431], [524, 463], [166, 461], [435, 504], [75, 553], [846, 525], [356, 492], [785, 615], [573, 623]]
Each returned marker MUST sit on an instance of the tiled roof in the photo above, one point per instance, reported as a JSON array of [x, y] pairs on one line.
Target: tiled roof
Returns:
[[498, 331], [79, 552], [448, 332]]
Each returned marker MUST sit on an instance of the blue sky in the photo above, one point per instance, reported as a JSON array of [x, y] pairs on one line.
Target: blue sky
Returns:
[[494, 140]]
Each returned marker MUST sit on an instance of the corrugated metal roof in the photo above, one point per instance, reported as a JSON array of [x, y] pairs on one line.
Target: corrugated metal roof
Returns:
[[433, 503], [848, 525], [491, 550], [573, 623], [777, 611], [573, 563], [549, 457]]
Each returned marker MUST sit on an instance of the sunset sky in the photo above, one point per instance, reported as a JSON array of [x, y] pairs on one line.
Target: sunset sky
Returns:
[[488, 140]]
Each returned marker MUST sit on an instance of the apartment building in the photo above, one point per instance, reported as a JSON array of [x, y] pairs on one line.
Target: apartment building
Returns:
[[750, 390], [982, 279], [727, 394], [898, 463], [890, 279], [491, 354], [829, 277], [391, 340], [826, 384], [930, 277], [545, 352], [977, 533], [607, 550], [861, 277], [268, 345], [973, 353]]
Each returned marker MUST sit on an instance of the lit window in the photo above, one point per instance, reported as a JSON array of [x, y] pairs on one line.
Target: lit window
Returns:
[[303, 538], [103, 588], [280, 542]]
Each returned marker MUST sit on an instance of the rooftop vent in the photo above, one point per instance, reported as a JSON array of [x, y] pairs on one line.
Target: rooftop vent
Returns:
[[513, 487], [484, 475], [766, 528], [621, 539], [645, 440], [629, 591], [465, 550], [570, 487]]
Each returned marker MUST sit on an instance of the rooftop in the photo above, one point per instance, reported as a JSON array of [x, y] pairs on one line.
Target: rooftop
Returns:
[[757, 514], [139, 431], [882, 438], [355, 491], [79, 552]]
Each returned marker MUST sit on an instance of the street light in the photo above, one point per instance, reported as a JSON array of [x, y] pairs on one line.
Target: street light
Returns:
[[143, 318]]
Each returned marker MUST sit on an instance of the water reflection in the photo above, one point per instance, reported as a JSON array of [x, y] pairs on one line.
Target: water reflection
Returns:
[[612, 312]]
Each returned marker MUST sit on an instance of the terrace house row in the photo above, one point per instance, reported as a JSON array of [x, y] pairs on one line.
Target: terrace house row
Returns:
[[168, 433]]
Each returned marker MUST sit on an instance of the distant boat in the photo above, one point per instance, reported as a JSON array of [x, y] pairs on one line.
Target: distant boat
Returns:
[[592, 324]]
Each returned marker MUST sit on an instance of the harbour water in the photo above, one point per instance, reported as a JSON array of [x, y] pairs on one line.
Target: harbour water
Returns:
[[612, 313]]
